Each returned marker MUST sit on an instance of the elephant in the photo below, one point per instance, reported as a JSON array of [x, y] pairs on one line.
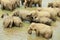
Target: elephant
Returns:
[[17, 21], [17, 3], [23, 15], [44, 20], [6, 4], [4, 15], [7, 21], [22, 2], [52, 11], [10, 4], [29, 3], [41, 29], [54, 4], [36, 14]]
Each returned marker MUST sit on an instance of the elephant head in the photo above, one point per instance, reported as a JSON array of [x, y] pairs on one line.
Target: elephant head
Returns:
[[4, 15]]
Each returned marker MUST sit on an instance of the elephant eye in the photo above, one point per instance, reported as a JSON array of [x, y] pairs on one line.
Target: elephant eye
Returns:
[[35, 29], [35, 17], [30, 29], [57, 6]]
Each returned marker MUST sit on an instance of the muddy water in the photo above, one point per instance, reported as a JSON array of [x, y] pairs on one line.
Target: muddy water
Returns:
[[17, 33]]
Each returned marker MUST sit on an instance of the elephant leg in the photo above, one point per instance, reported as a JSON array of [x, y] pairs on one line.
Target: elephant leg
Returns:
[[13, 6], [28, 4], [25, 4], [20, 25], [10, 24], [47, 35], [35, 4], [37, 33], [39, 4], [31, 4], [6, 7], [22, 2], [18, 4], [2, 7]]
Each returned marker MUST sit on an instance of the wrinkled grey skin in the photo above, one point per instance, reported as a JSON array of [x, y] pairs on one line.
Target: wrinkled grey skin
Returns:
[[17, 21], [44, 20], [25, 16], [41, 29]]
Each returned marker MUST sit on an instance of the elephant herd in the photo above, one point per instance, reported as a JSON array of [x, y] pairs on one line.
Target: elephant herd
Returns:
[[9, 4], [13, 4], [30, 3], [40, 20]]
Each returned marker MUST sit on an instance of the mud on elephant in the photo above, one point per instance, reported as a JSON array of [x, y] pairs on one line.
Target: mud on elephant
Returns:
[[41, 29], [25, 16], [7, 20]]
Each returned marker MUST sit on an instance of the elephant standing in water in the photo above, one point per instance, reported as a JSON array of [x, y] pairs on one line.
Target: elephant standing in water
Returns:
[[17, 21], [29, 3], [41, 29]]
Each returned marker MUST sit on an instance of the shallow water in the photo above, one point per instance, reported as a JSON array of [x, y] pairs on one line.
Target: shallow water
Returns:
[[20, 33]]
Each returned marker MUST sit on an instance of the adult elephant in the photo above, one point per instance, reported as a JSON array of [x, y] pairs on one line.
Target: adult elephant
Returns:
[[31, 2], [7, 21], [25, 16]]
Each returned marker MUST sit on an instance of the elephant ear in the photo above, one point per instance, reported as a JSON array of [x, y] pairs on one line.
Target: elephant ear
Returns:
[[4, 15]]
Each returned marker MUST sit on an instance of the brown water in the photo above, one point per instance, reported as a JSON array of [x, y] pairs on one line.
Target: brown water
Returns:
[[17, 33]]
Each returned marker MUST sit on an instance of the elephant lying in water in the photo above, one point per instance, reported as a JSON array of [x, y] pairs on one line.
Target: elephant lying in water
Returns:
[[10, 21]]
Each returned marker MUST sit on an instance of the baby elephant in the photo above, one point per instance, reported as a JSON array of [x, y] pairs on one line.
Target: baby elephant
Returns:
[[7, 20], [17, 21], [41, 29]]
